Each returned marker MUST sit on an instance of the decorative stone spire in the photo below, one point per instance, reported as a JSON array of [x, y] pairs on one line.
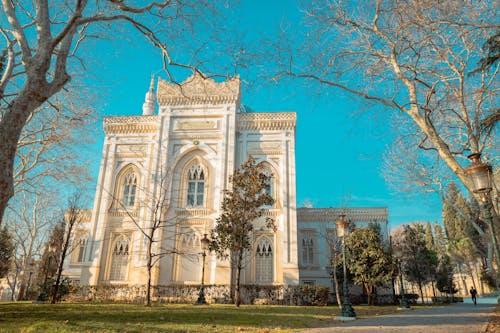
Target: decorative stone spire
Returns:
[[149, 106]]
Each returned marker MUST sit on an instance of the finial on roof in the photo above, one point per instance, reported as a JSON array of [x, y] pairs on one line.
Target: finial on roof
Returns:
[[152, 84], [149, 106]]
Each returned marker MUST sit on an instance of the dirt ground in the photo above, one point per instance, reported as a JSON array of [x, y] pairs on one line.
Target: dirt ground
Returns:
[[494, 324]]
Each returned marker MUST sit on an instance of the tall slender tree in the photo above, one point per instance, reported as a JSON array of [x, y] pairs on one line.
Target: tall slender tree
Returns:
[[419, 263]]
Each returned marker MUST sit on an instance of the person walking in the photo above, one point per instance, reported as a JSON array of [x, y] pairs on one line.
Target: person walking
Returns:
[[473, 293]]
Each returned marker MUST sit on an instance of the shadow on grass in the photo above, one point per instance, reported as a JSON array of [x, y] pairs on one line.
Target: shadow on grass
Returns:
[[91, 317]]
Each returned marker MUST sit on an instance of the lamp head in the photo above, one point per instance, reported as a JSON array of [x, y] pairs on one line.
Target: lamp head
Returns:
[[480, 174], [205, 242]]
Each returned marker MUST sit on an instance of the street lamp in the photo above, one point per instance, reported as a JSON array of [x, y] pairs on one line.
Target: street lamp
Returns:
[[398, 253], [480, 174], [342, 231], [205, 242]]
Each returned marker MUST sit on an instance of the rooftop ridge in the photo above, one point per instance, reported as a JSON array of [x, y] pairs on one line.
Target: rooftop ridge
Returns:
[[198, 89]]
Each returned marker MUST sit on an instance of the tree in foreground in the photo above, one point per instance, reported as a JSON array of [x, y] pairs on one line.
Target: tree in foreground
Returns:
[[154, 200], [413, 58], [243, 204], [43, 46], [370, 262], [71, 218]]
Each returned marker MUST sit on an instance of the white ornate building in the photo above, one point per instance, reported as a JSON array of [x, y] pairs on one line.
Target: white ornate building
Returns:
[[195, 140], [184, 153]]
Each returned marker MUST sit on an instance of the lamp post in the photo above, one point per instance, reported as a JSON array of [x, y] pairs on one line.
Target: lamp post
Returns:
[[480, 175], [342, 231], [205, 242], [398, 253]]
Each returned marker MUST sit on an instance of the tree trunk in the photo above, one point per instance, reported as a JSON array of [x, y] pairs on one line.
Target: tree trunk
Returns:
[[11, 125], [237, 299], [369, 292], [336, 285], [421, 291], [64, 251], [148, 290]]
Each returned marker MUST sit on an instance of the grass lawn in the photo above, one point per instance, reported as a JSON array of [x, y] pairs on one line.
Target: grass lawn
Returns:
[[90, 317]]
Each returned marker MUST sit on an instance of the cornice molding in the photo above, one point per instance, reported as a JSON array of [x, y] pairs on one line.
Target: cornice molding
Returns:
[[193, 212], [266, 121], [365, 214], [130, 124], [198, 90]]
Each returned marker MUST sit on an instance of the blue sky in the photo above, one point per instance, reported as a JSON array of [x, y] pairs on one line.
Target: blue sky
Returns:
[[338, 149]]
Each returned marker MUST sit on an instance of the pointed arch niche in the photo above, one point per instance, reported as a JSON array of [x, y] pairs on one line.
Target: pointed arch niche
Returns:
[[264, 253], [119, 259], [125, 194], [272, 188], [188, 263]]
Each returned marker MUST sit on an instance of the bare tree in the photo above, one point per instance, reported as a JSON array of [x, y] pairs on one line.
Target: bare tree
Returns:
[[72, 216], [50, 145], [43, 49], [30, 218], [155, 224], [412, 57], [334, 245]]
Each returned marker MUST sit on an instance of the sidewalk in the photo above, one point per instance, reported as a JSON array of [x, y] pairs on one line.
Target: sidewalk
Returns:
[[456, 318]]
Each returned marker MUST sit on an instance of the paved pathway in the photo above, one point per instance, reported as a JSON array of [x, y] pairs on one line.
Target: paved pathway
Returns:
[[456, 318]]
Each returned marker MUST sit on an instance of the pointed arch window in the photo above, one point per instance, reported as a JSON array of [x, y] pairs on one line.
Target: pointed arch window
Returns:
[[269, 187], [82, 247], [264, 271], [119, 259], [196, 186], [129, 189], [307, 247]]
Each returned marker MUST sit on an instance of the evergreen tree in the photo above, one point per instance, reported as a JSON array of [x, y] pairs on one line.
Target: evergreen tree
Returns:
[[466, 245], [370, 262], [419, 263], [243, 204], [6, 251], [429, 237], [440, 241]]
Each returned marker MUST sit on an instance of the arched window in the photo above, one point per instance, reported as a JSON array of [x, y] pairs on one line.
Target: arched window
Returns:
[[196, 186], [82, 247], [129, 189], [269, 188], [307, 244], [264, 261], [119, 259]]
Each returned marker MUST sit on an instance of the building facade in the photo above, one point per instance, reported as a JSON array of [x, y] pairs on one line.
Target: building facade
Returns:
[[171, 165], [317, 236], [183, 154]]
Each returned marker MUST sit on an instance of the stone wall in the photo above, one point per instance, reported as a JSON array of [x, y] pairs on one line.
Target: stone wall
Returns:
[[250, 294]]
